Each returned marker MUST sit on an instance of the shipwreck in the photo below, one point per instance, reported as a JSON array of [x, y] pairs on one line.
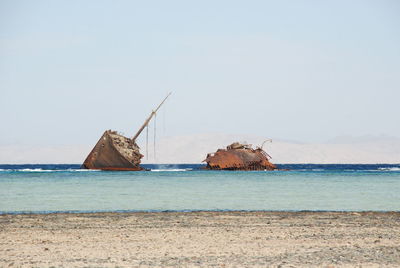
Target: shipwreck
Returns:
[[116, 152], [238, 156]]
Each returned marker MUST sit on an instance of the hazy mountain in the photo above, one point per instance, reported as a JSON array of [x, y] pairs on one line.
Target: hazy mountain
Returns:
[[194, 148]]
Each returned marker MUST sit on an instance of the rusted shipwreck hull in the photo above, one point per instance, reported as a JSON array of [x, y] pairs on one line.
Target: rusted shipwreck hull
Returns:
[[239, 157], [114, 152]]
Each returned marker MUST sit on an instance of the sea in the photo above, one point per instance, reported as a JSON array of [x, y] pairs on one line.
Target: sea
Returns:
[[187, 187]]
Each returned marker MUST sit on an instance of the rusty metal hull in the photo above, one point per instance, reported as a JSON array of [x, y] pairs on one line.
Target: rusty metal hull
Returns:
[[114, 152], [239, 159]]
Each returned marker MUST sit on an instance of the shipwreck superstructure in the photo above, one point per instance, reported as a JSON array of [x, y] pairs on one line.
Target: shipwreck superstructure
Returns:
[[239, 156], [116, 152]]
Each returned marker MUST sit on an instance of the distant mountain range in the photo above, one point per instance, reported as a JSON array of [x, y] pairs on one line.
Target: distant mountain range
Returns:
[[194, 148]]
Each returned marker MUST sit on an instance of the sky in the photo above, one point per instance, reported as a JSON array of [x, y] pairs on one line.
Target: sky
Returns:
[[291, 70]]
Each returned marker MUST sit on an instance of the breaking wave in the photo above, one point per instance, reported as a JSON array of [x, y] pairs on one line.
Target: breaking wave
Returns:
[[390, 169], [312, 168], [173, 169], [47, 170], [34, 170]]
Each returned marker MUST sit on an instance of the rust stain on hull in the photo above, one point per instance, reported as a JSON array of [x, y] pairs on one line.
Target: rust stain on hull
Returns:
[[239, 157]]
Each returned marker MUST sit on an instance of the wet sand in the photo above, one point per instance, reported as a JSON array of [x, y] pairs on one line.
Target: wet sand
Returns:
[[207, 239]]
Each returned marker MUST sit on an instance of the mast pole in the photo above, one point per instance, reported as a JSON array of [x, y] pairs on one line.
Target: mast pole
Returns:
[[149, 118]]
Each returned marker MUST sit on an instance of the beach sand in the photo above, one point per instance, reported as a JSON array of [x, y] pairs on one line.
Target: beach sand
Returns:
[[207, 239]]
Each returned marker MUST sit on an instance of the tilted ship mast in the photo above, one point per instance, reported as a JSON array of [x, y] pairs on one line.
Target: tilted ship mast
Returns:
[[145, 124], [116, 152]]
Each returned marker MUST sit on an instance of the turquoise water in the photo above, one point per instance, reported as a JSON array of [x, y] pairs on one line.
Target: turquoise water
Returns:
[[177, 188]]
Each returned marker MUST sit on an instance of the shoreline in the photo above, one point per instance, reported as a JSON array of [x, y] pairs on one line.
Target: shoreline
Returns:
[[201, 239], [84, 212]]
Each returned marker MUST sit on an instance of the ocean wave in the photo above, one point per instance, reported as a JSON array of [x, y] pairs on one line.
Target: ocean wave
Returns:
[[381, 169], [389, 169], [47, 170], [84, 170], [34, 170], [29, 170], [81, 170], [173, 169]]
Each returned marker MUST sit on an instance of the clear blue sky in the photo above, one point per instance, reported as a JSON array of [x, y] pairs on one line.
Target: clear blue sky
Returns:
[[298, 70]]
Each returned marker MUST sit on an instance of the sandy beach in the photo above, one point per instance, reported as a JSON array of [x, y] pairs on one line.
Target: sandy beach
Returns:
[[207, 239]]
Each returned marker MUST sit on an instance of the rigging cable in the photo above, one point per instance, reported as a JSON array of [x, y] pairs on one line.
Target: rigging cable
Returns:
[[147, 142], [164, 113], [155, 123]]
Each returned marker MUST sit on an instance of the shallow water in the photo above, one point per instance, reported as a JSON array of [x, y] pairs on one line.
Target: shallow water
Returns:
[[54, 188]]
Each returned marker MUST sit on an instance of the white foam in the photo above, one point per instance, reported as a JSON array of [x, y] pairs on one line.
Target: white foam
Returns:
[[390, 169], [32, 170], [172, 169], [49, 170], [81, 170]]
